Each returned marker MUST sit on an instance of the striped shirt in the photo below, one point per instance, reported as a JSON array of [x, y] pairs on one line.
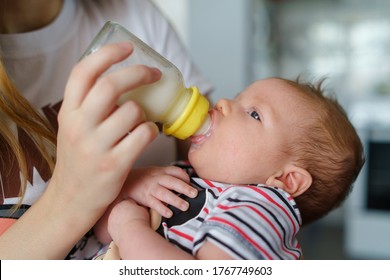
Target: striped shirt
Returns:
[[245, 221]]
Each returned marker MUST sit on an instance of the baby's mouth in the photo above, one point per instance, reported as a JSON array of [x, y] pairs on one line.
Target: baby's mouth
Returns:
[[197, 140]]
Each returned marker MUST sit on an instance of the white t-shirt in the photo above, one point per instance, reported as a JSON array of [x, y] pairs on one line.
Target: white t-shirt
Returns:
[[40, 62]]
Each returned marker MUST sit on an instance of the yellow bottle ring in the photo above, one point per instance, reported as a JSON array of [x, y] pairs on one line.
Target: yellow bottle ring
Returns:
[[191, 118]]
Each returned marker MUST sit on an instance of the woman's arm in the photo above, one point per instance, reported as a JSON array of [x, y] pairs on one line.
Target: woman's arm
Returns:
[[95, 153], [48, 230]]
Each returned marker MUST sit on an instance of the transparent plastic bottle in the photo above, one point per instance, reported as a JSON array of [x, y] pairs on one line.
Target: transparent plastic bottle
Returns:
[[182, 111]]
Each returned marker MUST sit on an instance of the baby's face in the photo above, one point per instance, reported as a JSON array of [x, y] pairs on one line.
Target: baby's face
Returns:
[[249, 134]]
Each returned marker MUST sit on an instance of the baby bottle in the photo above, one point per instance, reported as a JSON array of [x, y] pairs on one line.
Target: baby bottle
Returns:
[[182, 111]]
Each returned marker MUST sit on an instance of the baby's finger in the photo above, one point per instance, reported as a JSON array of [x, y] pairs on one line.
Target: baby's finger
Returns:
[[177, 172], [160, 208], [165, 195], [178, 185]]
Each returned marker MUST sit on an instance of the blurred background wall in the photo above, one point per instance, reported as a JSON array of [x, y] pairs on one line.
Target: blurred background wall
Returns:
[[348, 41]]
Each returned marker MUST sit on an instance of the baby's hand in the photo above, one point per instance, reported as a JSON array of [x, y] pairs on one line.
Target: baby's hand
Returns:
[[153, 187]]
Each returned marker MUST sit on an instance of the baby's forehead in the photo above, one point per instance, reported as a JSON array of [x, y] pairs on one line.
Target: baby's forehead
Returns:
[[267, 87], [282, 96]]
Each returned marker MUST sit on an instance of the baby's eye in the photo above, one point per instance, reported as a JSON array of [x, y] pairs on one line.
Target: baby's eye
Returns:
[[255, 115]]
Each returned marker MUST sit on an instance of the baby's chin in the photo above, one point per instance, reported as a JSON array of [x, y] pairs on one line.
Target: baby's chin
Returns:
[[197, 166], [205, 168], [194, 155], [202, 170]]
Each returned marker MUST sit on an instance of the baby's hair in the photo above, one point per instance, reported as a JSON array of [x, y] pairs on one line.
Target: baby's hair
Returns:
[[329, 148]]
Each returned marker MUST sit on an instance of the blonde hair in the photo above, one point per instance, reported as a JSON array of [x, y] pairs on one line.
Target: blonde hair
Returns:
[[329, 148], [15, 109]]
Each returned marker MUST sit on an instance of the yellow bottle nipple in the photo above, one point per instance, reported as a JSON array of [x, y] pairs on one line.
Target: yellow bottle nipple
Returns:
[[191, 118]]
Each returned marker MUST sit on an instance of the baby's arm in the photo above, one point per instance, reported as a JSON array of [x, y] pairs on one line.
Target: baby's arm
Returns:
[[151, 187], [129, 226]]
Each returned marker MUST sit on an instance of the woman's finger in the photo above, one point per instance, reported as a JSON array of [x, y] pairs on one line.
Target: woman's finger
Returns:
[[107, 90], [87, 71], [123, 120], [128, 149]]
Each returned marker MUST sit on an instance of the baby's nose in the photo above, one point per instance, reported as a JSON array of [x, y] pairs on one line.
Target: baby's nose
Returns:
[[223, 106]]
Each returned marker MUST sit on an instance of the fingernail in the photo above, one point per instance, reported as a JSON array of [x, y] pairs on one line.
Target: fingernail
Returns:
[[125, 45], [155, 71], [194, 193], [168, 214], [184, 206]]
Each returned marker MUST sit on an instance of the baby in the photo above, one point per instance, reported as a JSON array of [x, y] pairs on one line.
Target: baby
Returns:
[[278, 156]]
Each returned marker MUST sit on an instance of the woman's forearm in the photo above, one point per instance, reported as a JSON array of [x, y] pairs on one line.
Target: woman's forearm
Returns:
[[48, 230]]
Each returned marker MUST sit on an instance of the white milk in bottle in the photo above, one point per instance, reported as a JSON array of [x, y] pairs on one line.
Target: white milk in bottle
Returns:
[[182, 111]]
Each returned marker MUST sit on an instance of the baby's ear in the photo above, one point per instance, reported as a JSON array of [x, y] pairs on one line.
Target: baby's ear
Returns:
[[293, 179]]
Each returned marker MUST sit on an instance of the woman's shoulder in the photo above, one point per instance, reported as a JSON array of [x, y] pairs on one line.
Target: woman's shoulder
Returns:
[[140, 17], [120, 10]]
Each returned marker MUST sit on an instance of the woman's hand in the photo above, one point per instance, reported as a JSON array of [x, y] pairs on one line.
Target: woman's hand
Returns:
[[98, 141]]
